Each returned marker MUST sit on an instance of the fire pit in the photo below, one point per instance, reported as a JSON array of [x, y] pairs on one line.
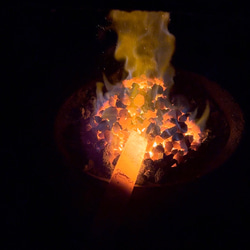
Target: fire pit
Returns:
[[152, 128], [224, 125], [189, 124]]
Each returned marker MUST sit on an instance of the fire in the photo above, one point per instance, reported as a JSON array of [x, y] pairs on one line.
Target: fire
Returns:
[[134, 121], [144, 42], [142, 106]]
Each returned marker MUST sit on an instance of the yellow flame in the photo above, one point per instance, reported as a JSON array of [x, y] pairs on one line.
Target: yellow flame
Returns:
[[144, 42]]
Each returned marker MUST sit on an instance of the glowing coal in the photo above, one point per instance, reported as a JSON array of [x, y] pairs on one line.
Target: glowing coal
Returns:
[[168, 130]]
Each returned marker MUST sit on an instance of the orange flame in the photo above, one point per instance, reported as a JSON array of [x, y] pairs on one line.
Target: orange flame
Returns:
[[144, 41]]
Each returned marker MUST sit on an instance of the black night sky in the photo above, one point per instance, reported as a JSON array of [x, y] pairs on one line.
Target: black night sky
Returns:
[[48, 52]]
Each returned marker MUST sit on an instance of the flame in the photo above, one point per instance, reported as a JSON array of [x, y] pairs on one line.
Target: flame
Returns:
[[144, 42], [139, 104]]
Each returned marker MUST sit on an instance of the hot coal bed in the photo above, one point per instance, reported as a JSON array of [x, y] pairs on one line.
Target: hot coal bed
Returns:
[[82, 149]]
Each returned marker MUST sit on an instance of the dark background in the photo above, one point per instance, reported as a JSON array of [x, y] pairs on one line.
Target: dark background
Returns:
[[48, 52]]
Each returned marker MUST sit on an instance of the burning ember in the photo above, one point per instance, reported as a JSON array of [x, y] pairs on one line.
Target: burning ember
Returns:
[[140, 105]]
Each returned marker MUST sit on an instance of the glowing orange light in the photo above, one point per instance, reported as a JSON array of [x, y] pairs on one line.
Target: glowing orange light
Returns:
[[139, 100], [129, 163]]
